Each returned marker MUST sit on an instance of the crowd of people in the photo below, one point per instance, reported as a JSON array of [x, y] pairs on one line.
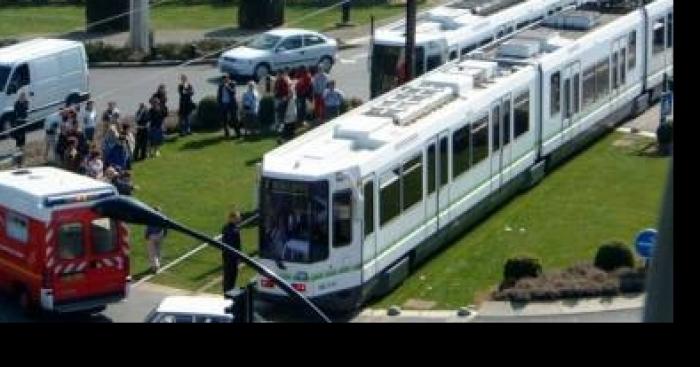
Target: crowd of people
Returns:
[[294, 91]]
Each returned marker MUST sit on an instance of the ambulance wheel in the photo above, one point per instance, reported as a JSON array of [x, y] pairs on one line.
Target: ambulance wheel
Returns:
[[24, 299]]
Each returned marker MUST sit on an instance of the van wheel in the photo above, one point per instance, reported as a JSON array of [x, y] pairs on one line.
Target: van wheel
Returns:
[[24, 300], [73, 99]]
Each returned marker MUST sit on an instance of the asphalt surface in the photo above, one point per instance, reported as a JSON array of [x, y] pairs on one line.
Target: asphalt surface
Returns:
[[132, 85]]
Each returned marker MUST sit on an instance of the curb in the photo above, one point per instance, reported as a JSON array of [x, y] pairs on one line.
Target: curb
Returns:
[[381, 315], [580, 306], [128, 64]]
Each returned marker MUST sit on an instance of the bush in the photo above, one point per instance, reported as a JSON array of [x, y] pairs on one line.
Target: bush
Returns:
[[207, 115], [266, 112], [97, 10], [614, 255], [518, 268], [257, 14]]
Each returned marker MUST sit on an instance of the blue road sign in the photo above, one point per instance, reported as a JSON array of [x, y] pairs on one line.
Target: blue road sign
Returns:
[[645, 243]]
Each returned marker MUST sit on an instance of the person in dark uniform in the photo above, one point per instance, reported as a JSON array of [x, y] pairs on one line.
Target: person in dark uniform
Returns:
[[21, 112], [142, 121], [231, 236]]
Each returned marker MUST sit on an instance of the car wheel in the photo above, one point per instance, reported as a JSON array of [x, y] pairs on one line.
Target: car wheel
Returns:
[[261, 72], [326, 64]]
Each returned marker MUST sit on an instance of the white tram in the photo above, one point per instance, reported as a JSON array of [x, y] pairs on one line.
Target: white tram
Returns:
[[447, 32], [348, 209]]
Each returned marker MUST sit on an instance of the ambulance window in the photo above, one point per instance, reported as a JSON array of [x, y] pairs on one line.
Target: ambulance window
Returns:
[[17, 228], [70, 241], [104, 235]]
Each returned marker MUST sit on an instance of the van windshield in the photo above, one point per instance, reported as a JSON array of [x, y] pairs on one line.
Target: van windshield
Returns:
[[4, 74]]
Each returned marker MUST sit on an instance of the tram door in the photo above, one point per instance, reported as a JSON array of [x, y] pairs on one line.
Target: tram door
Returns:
[[571, 94], [618, 64], [369, 233], [443, 175], [500, 140]]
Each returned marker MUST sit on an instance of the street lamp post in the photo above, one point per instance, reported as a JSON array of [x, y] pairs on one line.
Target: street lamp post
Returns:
[[130, 210]]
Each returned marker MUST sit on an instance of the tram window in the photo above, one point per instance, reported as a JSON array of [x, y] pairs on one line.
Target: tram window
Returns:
[[432, 180], [567, 98], [615, 82], [434, 61], [669, 31], [444, 162], [480, 139], [623, 62], [506, 122], [342, 218], [460, 151], [369, 207], [485, 41], [390, 197], [412, 182], [659, 36], [589, 89], [521, 114], [468, 49], [555, 94], [510, 30], [496, 122], [602, 78], [577, 93], [632, 47], [453, 55]]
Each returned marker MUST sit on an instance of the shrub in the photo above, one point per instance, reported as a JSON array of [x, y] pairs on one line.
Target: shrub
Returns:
[[98, 10], [266, 112], [631, 281], [256, 14], [207, 115], [519, 268], [614, 255]]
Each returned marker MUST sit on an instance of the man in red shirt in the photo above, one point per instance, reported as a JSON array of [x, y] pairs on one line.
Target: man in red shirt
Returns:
[[303, 93], [282, 94]]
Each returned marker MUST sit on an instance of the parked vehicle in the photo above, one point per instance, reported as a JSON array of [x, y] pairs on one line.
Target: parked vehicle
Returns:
[[191, 309], [52, 72], [55, 252], [279, 49]]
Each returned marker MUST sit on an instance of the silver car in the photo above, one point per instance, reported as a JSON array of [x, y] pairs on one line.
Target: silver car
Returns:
[[277, 50]]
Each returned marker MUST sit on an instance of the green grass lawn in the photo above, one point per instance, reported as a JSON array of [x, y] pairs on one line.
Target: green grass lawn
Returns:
[[606, 193], [20, 20], [197, 180]]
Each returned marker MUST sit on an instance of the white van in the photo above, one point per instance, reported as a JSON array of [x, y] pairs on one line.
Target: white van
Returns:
[[52, 72]]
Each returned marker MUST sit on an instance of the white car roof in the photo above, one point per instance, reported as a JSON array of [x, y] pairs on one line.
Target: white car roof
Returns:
[[285, 32], [195, 305]]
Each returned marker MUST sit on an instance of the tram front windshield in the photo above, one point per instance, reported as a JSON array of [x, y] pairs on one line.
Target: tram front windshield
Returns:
[[294, 220]]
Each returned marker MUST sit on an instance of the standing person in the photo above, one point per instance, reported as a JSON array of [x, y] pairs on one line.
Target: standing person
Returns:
[[142, 120], [154, 237], [228, 107], [118, 156], [250, 101], [320, 84], [111, 114], [161, 95], [304, 92], [290, 118], [21, 111], [231, 236], [186, 105], [155, 133], [51, 128], [110, 140], [282, 95], [71, 155], [89, 120], [333, 99], [130, 140]]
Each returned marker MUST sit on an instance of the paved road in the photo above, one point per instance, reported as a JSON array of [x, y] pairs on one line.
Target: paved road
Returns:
[[619, 316], [130, 86]]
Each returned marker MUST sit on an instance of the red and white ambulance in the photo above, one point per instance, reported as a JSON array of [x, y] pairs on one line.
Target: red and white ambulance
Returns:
[[55, 252]]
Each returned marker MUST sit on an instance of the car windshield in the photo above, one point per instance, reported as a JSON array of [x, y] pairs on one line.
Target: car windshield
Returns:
[[264, 42], [4, 74]]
